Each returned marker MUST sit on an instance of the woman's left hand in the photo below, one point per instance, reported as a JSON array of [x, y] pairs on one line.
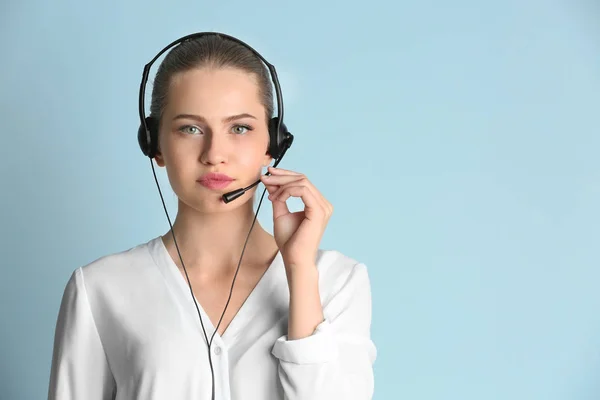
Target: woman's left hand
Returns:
[[297, 234]]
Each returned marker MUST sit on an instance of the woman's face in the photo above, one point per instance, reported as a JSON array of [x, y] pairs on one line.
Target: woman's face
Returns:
[[213, 122]]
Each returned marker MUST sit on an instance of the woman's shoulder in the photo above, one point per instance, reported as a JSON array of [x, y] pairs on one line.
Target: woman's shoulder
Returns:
[[119, 266]]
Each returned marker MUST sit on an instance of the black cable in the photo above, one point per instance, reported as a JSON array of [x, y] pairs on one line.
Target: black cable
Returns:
[[209, 343], [146, 143]]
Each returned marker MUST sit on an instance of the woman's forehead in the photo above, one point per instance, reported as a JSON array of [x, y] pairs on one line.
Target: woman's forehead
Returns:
[[229, 90]]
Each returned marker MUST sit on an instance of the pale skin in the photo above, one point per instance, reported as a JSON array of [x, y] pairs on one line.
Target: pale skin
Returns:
[[225, 130]]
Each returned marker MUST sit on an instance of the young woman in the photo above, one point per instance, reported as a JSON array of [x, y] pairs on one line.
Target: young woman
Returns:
[[138, 324]]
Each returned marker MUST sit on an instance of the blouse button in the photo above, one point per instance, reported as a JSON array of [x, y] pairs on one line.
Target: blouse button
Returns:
[[217, 350]]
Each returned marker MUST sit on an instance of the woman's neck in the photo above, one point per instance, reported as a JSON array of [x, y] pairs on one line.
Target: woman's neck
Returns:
[[212, 243]]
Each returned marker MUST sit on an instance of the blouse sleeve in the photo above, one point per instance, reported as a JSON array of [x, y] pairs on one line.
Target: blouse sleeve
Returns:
[[79, 367], [336, 361]]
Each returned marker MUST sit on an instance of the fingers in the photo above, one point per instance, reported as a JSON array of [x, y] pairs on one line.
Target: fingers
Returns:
[[279, 207], [280, 171], [271, 188], [280, 184], [314, 207], [282, 181], [279, 179]]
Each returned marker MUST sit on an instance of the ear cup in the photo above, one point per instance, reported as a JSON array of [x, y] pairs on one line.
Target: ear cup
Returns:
[[278, 138], [148, 146]]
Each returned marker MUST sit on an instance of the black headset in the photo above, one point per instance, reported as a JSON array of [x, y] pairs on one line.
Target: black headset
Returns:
[[280, 140]]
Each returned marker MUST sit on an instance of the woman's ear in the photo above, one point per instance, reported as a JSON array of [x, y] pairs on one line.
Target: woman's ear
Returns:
[[160, 161], [267, 160]]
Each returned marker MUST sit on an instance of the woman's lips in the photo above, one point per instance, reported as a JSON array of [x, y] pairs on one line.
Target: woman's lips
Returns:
[[215, 180]]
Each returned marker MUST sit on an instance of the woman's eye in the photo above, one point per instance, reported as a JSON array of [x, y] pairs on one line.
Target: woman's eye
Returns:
[[241, 129], [190, 130]]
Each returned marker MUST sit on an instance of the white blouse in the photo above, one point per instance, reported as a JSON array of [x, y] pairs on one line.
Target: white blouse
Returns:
[[128, 329]]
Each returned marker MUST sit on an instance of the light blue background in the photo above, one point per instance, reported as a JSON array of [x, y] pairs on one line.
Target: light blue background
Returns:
[[458, 142]]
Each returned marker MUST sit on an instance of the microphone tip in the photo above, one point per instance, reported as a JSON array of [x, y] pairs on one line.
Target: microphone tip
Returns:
[[230, 196]]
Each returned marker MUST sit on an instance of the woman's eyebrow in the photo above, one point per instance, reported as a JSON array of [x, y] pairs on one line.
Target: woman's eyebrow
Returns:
[[202, 119]]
